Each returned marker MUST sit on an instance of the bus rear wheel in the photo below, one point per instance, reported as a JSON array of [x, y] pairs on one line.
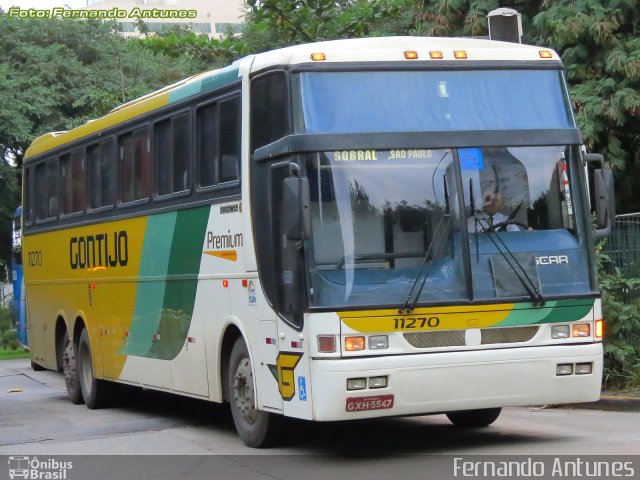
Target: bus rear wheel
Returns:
[[96, 393], [474, 418], [70, 370], [256, 428]]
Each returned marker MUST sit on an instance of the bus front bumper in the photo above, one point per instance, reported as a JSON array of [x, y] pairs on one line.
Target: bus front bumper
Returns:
[[442, 382]]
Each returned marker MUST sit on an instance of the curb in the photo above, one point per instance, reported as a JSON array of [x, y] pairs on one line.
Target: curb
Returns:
[[610, 403]]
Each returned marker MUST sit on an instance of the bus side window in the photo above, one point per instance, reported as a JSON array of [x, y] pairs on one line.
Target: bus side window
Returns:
[[207, 144], [269, 109], [133, 152], [172, 151], [101, 174], [72, 179], [47, 190], [229, 139], [28, 201], [218, 142]]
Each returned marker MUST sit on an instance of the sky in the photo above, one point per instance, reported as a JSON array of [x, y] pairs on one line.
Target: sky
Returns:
[[41, 4]]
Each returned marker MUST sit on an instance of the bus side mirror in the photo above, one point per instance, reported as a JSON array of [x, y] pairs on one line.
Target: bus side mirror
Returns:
[[296, 199], [604, 196]]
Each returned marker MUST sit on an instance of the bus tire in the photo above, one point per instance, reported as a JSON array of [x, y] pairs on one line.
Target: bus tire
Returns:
[[474, 418], [35, 367], [70, 370], [96, 393], [256, 428]]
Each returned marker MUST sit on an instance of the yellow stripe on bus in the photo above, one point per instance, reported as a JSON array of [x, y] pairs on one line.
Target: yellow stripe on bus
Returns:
[[49, 142], [427, 319]]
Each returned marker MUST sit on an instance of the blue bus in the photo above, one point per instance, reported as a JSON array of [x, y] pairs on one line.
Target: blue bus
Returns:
[[19, 305]]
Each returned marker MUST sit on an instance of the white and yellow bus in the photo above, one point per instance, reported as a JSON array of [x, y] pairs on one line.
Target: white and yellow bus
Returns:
[[333, 231]]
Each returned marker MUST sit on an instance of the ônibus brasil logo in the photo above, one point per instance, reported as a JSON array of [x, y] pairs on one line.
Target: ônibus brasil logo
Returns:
[[35, 469]]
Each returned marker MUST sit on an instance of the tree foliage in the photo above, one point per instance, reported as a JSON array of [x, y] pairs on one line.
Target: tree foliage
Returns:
[[56, 75]]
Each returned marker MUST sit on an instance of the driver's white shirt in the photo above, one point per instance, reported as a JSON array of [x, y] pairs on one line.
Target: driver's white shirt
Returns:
[[484, 221]]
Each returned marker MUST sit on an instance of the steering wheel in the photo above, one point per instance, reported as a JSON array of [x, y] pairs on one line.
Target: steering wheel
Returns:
[[502, 226]]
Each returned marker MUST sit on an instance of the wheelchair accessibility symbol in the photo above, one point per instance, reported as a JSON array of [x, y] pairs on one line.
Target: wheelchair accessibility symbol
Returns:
[[302, 389]]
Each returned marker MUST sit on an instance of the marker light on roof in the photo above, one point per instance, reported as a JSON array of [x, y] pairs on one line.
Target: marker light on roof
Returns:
[[545, 54], [460, 54], [411, 55], [318, 57], [436, 55]]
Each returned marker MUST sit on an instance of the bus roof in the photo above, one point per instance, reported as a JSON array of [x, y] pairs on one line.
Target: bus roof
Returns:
[[378, 49]]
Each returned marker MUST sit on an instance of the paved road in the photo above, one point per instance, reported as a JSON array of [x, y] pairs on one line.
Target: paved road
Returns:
[[41, 421]]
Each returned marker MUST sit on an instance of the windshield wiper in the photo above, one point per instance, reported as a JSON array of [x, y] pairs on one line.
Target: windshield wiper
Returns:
[[518, 269], [511, 260], [434, 245]]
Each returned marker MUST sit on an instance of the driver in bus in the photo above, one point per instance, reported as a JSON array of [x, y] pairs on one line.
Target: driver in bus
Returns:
[[489, 218]]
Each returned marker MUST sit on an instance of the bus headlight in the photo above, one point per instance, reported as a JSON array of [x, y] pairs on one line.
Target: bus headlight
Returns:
[[560, 331], [378, 342]]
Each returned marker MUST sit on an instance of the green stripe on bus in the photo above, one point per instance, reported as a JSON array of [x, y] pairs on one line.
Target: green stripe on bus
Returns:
[[552, 312], [211, 82], [149, 295], [180, 294]]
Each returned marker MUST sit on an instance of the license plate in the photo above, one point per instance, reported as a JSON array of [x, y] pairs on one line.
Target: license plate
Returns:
[[362, 404]]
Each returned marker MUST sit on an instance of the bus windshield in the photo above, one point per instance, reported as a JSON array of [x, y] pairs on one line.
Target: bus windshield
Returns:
[[378, 216], [414, 101]]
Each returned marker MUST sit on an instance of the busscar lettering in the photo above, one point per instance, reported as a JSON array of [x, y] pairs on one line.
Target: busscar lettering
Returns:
[[552, 260], [101, 250]]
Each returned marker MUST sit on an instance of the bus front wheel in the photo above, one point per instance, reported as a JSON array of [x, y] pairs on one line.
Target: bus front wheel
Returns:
[[70, 370], [95, 392], [256, 428], [474, 418]]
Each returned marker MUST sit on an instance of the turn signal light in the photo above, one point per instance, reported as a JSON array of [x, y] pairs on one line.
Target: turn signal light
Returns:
[[354, 344], [599, 328]]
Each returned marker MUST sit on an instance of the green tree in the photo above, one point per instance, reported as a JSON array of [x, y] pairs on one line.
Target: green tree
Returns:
[[600, 44], [56, 75]]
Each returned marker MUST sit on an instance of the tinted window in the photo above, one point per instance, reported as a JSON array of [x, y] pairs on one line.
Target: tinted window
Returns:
[[133, 152], [101, 166], [28, 201], [207, 121], [72, 175], [229, 139], [354, 102], [269, 109], [172, 144], [218, 128], [47, 190]]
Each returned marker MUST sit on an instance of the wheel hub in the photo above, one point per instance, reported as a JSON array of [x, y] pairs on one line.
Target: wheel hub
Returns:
[[243, 395], [69, 364]]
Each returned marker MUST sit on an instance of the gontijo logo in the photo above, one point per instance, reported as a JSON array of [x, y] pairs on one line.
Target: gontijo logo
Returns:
[[36, 469]]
